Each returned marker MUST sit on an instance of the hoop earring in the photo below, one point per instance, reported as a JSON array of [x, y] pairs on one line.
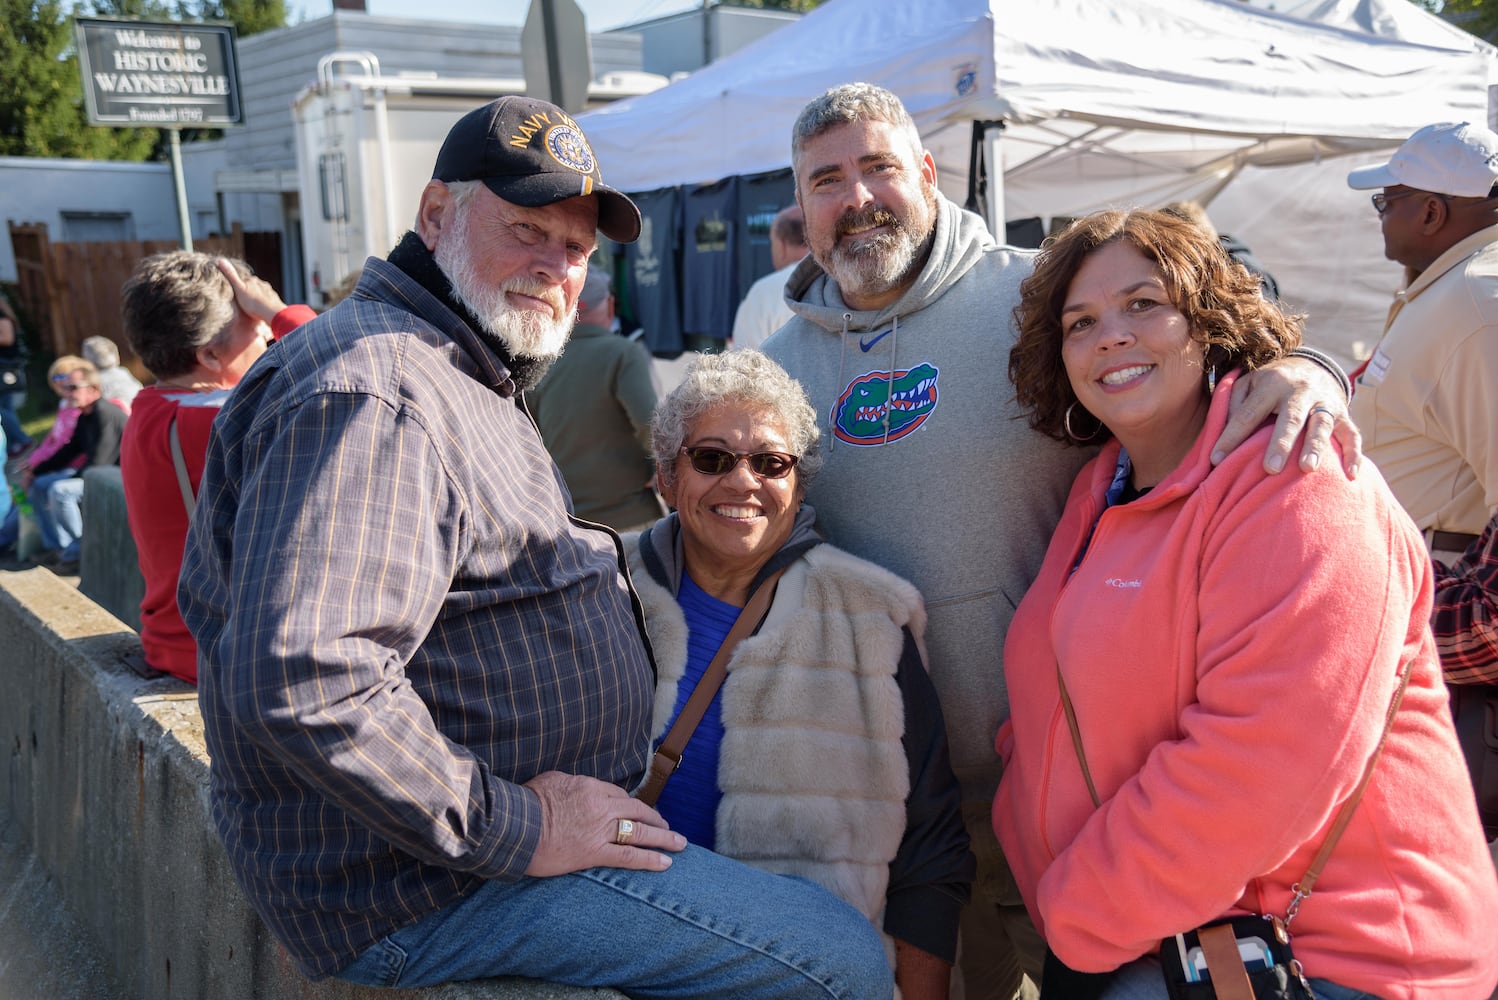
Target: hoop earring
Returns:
[[1066, 422]]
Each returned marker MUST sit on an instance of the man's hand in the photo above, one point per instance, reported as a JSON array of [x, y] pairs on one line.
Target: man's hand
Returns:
[[580, 819], [1307, 399], [255, 296]]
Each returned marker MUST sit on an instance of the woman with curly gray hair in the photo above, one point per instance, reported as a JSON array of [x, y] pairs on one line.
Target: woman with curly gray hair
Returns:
[[823, 754]]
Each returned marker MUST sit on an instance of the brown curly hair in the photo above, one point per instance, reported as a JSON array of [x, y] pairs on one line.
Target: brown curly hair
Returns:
[[1220, 299]]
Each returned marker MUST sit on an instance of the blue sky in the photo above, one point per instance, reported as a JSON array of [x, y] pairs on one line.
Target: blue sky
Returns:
[[601, 14]]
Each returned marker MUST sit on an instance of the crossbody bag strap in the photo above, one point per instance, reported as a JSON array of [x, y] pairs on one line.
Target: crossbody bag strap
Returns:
[[1301, 889], [183, 480], [668, 755], [1076, 737]]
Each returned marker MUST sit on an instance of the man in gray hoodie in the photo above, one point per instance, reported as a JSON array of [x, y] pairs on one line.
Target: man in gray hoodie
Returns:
[[901, 337]]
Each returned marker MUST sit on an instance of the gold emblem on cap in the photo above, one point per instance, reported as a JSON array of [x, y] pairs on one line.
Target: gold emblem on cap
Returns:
[[562, 139], [567, 146]]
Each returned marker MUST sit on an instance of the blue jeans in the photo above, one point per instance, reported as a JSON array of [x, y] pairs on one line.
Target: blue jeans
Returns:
[[1143, 980], [57, 501], [706, 927]]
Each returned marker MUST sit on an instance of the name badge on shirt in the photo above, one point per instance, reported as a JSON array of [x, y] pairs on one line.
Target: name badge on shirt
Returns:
[[1377, 370]]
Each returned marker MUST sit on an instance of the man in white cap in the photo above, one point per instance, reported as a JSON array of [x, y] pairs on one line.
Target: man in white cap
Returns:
[[1427, 400]]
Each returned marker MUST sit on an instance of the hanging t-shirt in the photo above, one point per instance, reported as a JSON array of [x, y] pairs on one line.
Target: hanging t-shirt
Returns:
[[761, 197], [708, 269], [652, 298]]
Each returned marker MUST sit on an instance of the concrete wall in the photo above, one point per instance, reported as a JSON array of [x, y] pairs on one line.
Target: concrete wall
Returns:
[[104, 815]]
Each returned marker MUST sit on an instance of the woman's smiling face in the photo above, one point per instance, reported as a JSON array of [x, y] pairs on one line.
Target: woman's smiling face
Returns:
[[733, 523], [1131, 359]]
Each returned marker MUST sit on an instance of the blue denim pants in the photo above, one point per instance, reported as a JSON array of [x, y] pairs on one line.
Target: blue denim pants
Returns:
[[1143, 980], [706, 927], [57, 501]]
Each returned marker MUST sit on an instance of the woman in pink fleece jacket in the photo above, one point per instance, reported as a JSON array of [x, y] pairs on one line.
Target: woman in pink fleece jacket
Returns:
[[1230, 641]]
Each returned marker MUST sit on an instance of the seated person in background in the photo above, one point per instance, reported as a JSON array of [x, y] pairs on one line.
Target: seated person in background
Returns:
[[114, 379], [1231, 643], [13, 364], [832, 684], [593, 411], [57, 435], [55, 484], [67, 414], [197, 322]]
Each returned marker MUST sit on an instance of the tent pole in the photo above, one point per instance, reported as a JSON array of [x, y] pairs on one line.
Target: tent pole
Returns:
[[985, 175]]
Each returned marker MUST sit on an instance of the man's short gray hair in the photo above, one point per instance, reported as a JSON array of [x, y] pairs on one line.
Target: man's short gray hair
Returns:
[[847, 104], [101, 352], [745, 379]]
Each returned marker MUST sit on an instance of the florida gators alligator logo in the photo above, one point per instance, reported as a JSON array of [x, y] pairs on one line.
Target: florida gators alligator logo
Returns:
[[907, 398]]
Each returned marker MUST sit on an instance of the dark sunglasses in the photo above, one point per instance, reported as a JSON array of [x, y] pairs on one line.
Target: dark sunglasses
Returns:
[[73, 386], [719, 462]]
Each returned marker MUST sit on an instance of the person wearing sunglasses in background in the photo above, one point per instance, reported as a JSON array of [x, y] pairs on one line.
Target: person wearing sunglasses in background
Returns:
[[823, 754], [55, 484], [1427, 400]]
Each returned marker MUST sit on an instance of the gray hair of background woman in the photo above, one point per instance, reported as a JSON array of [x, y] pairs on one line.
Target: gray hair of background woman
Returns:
[[743, 379], [176, 303], [101, 352]]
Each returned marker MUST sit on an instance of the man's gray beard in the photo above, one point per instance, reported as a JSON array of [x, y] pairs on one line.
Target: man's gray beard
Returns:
[[872, 266], [525, 333]]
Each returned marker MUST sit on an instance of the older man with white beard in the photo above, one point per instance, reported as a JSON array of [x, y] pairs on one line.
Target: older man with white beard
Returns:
[[424, 686]]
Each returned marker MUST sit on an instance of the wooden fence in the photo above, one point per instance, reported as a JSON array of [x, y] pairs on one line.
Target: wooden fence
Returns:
[[72, 290]]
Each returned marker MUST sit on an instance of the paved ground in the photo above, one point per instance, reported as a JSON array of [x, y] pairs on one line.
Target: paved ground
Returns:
[[43, 952]]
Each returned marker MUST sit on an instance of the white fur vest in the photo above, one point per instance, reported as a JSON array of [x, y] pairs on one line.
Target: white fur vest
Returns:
[[813, 773]]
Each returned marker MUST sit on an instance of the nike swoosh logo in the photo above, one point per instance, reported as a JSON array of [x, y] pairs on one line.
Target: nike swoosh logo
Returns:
[[865, 345]]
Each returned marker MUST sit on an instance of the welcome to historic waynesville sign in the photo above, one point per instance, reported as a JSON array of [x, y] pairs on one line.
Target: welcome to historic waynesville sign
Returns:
[[159, 74]]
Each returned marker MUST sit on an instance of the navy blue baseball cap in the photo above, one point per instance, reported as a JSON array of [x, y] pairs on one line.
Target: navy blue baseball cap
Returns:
[[532, 153]]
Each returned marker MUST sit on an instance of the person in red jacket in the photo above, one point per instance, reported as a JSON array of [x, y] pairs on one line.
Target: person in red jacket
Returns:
[[198, 323], [1202, 669]]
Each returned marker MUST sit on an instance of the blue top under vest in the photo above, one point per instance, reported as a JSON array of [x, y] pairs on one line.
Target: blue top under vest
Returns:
[[690, 800]]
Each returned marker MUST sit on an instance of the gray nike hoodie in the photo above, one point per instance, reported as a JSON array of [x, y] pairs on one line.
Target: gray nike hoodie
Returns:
[[931, 470]]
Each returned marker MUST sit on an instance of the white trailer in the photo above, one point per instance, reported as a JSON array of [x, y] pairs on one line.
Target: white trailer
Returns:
[[365, 145]]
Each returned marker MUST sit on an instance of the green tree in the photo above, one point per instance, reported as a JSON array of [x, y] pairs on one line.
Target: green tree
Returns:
[[41, 104], [41, 101], [249, 17], [1478, 16], [800, 6]]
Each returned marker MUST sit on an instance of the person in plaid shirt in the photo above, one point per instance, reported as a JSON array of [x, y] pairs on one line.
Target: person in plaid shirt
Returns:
[[425, 686], [1466, 614]]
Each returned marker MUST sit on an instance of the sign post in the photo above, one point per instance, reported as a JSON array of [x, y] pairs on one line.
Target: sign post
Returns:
[[556, 55], [162, 74]]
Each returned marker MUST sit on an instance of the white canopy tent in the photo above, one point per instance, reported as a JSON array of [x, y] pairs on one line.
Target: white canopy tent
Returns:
[[1102, 103]]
